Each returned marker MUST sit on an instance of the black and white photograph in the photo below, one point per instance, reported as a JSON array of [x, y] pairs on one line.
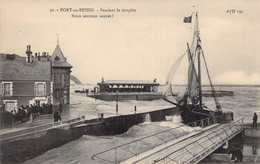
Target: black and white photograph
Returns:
[[133, 81]]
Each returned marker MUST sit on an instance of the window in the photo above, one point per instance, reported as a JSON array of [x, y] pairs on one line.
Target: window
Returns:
[[57, 78], [67, 79], [57, 94], [40, 88], [7, 88], [62, 79], [10, 104], [57, 58]]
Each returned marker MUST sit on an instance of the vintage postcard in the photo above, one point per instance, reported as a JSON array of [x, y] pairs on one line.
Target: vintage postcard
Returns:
[[133, 81]]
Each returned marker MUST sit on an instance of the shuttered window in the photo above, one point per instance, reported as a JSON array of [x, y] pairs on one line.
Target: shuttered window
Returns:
[[40, 88], [7, 88]]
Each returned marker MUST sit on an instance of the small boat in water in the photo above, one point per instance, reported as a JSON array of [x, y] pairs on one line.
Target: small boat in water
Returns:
[[82, 91], [190, 101]]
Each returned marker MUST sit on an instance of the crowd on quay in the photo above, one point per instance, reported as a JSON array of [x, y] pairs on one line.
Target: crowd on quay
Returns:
[[23, 114]]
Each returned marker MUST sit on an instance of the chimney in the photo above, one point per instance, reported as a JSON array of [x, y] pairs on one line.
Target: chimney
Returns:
[[29, 54]]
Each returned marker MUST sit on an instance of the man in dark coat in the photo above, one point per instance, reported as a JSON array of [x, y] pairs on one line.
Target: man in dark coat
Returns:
[[237, 155], [56, 116], [255, 120], [60, 108]]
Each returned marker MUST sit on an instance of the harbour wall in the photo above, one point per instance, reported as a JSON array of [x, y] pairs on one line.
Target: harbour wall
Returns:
[[148, 96], [22, 145], [250, 131]]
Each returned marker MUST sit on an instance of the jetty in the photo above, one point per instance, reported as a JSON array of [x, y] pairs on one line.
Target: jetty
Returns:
[[33, 141], [145, 96], [189, 143], [121, 90], [186, 147]]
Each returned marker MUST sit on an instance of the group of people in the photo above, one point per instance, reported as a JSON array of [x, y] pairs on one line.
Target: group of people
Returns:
[[23, 114]]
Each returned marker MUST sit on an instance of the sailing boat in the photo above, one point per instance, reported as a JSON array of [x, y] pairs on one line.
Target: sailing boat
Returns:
[[190, 101]]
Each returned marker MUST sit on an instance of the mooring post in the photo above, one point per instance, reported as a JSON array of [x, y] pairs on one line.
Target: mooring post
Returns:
[[117, 108], [117, 102], [115, 156]]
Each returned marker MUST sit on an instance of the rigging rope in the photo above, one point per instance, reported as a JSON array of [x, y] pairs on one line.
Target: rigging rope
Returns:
[[218, 106]]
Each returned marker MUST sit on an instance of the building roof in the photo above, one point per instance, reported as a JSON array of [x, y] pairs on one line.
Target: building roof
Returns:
[[58, 59], [127, 82], [14, 67]]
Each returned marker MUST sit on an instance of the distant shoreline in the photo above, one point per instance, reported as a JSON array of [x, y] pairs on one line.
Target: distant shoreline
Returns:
[[222, 85], [227, 85], [215, 85]]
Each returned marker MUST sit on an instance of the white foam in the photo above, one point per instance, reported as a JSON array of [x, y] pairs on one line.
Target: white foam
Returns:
[[169, 124], [147, 118], [176, 119]]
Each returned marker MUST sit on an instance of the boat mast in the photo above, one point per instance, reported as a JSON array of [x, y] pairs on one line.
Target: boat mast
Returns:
[[199, 77], [200, 52], [198, 48]]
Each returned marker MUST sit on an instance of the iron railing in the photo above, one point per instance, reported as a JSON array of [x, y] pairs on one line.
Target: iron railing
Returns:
[[134, 148], [212, 141], [34, 129]]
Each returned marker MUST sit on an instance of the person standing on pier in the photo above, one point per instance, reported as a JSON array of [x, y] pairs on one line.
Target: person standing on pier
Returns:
[[255, 120], [60, 108], [56, 116]]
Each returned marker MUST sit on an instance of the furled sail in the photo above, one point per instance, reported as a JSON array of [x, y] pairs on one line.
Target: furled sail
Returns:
[[193, 84]]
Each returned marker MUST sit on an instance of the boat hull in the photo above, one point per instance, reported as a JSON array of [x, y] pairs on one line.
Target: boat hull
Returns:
[[189, 116]]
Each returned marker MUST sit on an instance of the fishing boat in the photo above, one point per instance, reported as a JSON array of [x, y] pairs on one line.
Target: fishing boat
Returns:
[[190, 101]]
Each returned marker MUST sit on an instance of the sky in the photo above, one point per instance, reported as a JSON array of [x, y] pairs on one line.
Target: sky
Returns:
[[141, 44]]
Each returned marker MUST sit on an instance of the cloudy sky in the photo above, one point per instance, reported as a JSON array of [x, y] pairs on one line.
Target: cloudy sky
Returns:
[[140, 45]]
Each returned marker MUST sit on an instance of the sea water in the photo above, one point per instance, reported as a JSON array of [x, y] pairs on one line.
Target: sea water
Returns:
[[244, 103]]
